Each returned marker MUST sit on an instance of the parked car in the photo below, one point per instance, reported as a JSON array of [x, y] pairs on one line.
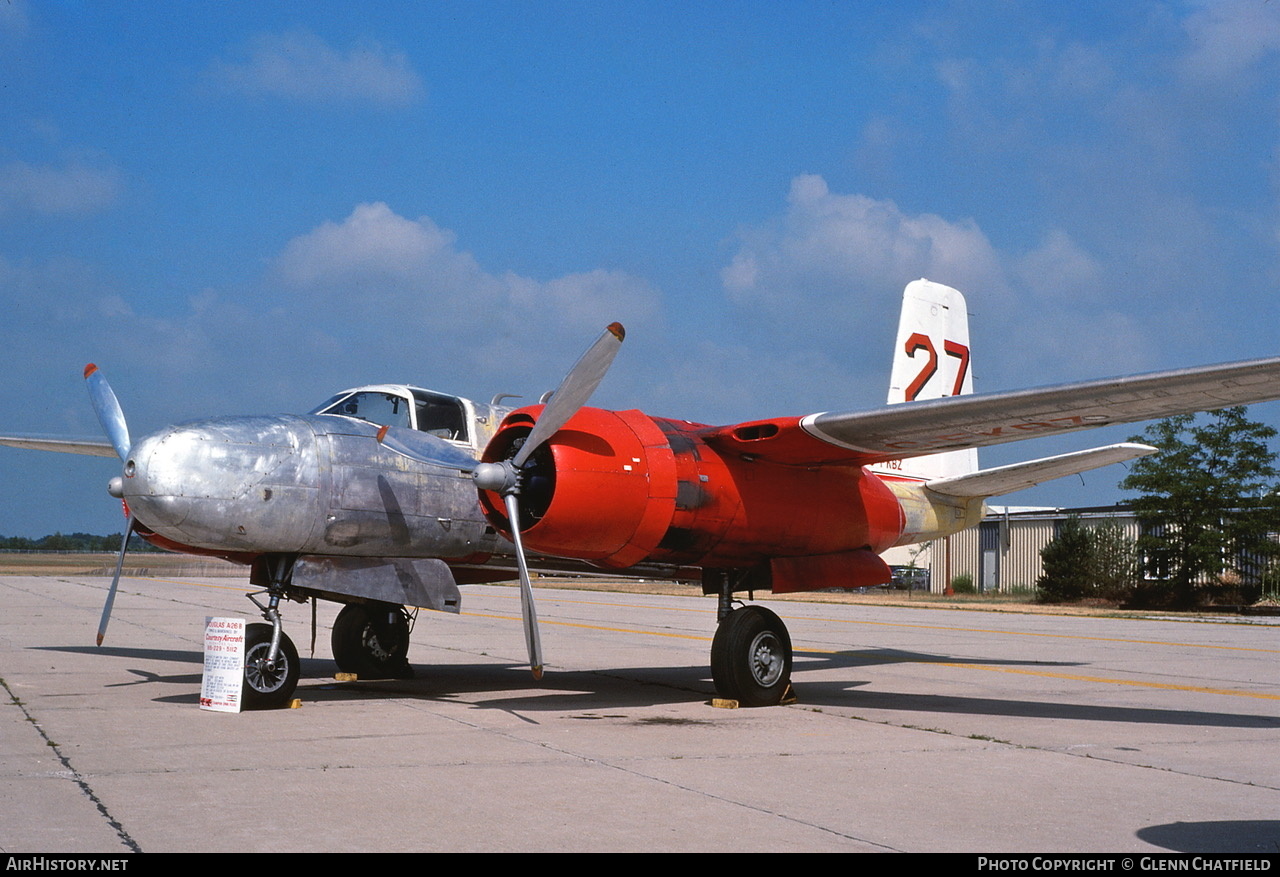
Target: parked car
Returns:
[[909, 578]]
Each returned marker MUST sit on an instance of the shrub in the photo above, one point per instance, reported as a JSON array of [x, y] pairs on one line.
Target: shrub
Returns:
[[1068, 564]]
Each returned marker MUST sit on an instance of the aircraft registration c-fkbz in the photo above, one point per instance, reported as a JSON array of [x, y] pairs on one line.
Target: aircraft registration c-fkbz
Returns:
[[386, 497]]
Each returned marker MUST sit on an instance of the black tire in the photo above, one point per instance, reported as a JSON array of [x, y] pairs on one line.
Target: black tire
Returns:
[[371, 641], [267, 686], [751, 657]]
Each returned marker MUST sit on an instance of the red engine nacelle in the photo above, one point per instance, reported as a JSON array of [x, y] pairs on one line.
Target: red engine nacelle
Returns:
[[620, 487], [603, 490]]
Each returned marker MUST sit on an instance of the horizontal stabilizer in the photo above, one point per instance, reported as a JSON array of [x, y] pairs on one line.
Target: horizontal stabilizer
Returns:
[[88, 447], [1019, 476]]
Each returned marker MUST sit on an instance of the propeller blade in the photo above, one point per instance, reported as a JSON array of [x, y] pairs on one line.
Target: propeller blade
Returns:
[[115, 581], [574, 390], [107, 407], [527, 611], [505, 476], [426, 448]]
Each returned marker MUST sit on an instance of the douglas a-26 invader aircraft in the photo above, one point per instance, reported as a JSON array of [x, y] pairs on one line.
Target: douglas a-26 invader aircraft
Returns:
[[391, 496]]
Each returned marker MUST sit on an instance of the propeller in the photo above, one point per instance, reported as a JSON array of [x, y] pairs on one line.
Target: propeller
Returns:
[[506, 476], [111, 416], [115, 581], [107, 407], [574, 390]]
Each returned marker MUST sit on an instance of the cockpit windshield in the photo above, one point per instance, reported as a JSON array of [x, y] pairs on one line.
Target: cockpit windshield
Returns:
[[412, 408], [384, 409]]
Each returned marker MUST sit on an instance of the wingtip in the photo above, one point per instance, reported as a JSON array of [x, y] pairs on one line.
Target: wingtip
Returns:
[[617, 331], [537, 673], [89, 369], [100, 638]]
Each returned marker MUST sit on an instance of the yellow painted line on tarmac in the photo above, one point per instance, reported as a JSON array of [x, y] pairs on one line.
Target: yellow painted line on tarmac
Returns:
[[1070, 636], [945, 627], [544, 621], [1041, 673], [1074, 677], [241, 588], [614, 604]]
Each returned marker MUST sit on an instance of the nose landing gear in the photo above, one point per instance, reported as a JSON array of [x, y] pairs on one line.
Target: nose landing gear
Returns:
[[269, 682], [271, 666]]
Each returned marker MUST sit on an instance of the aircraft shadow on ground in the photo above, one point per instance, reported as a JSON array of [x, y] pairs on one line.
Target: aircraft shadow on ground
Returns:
[[184, 656], [847, 694], [515, 689], [633, 687], [837, 694], [1229, 836], [559, 690], [875, 657]]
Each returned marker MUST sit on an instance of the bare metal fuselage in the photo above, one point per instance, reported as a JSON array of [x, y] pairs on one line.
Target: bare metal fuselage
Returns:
[[301, 484]]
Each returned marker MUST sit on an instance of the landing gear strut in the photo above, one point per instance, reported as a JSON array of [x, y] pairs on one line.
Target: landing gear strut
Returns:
[[271, 666], [372, 641], [751, 652]]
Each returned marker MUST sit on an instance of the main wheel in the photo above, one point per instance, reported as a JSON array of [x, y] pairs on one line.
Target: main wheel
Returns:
[[267, 685], [371, 641], [751, 657]]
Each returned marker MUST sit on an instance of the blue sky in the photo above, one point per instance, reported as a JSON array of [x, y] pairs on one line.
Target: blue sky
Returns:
[[241, 208]]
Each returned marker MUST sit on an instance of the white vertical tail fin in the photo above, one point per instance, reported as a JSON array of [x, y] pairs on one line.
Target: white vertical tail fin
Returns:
[[930, 361]]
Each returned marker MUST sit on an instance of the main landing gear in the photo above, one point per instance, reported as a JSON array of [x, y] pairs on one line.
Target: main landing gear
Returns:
[[372, 640], [751, 653]]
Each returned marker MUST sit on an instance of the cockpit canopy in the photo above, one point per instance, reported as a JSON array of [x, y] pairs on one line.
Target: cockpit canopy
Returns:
[[396, 405]]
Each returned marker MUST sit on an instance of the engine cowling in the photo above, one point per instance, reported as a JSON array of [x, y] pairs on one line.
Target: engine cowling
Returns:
[[620, 487], [602, 490]]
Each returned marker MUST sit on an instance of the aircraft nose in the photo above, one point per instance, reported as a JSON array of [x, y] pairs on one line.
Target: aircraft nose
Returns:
[[209, 483], [153, 479]]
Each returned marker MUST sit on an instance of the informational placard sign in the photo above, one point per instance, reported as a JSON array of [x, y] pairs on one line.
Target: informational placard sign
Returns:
[[223, 664]]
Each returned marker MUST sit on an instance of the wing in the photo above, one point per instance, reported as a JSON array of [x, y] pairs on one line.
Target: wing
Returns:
[[912, 429], [89, 447]]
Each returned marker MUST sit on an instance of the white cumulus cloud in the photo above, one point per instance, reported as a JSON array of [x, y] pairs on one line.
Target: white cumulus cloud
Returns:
[[825, 276], [301, 66], [829, 248], [72, 189], [373, 242], [1229, 36], [378, 278]]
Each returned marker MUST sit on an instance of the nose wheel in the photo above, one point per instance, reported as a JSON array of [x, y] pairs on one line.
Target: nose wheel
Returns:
[[268, 683], [751, 657]]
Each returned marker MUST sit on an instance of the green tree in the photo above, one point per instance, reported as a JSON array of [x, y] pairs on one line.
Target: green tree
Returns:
[[1207, 500], [1068, 561], [1116, 562]]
